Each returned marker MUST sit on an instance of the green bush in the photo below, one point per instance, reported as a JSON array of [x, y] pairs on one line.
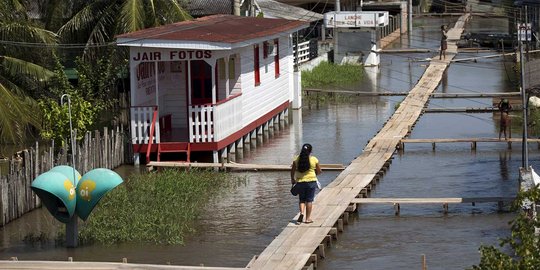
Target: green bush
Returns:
[[523, 242], [155, 207]]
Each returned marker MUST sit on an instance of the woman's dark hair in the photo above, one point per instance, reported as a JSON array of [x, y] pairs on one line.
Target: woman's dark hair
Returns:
[[303, 159]]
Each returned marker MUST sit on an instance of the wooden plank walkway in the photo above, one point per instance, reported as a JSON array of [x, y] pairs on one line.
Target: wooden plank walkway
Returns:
[[298, 245], [473, 141], [235, 166], [397, 202], [54, 265], [433, 95], [431, 200]]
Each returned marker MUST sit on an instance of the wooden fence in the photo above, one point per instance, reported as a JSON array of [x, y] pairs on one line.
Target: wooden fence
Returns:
[[109, 149]]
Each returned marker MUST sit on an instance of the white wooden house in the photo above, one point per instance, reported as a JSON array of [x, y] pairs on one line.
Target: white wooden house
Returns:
[[203, 85]]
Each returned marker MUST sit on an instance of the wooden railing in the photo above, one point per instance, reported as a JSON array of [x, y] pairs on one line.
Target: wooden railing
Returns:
[[301, 52], [211, 123], [141, 119], [228, 117], [394, 24], [201, 123]]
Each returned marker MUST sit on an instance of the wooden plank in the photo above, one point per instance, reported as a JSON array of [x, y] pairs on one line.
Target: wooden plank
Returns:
[[45, 265], [460, 140], [431, 200], [238, 166]]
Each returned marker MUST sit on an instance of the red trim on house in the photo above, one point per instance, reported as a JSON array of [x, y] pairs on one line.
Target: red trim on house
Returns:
[[276, 57], [228, 99], [214, 146], [256, 65]]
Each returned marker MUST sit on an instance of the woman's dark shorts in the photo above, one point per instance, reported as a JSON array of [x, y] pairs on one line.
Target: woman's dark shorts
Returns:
[[307, 191]]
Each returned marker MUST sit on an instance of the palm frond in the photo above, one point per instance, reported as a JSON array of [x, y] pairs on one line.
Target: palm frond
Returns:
[[154, 17], [16, 67], [132, 16], [173, 11], [18, 114], [82, 20], [11, 9], [20, 32]]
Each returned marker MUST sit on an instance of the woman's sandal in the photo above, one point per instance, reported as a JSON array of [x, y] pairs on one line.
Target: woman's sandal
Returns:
[[308, 221], [300, 218]]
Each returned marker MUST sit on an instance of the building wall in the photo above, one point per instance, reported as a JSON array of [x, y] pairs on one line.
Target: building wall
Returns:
[[272, 91]]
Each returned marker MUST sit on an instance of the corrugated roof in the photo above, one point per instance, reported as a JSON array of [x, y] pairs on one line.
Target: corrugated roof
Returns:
[[280, 10], [217, 28]]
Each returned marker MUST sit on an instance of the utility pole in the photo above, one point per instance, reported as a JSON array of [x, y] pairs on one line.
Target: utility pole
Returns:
[[409, 17], [236, 7], [336, 33], [523, 36]]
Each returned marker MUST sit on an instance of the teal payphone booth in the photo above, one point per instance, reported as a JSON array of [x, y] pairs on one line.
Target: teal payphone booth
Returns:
[[67, 194]]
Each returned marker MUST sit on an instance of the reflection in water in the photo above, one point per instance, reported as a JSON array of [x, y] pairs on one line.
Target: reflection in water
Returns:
[[444, 81], [504, 156], [372, 73]]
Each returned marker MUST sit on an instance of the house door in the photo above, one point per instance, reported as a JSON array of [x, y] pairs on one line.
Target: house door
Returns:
[[201, 82]]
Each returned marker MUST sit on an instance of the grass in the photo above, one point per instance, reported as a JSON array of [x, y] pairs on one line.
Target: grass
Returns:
[[157, 208], [328, 74]]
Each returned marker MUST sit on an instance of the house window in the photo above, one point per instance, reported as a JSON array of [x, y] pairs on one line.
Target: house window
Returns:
[[256, 65], [276, 57]]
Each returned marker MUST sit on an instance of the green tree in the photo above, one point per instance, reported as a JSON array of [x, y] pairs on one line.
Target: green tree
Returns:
[[523, 241], [22, 71], [92, 95], [96, 22]]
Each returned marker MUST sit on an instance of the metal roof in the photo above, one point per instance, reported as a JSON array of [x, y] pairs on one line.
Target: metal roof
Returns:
[[223, 31], [280, 10]]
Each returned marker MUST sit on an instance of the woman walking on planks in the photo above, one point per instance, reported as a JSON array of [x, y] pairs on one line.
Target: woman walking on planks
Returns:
[[304, 171], [444, 44], [504, 107]]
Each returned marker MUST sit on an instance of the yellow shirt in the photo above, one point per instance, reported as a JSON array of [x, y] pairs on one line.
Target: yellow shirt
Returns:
[[309, 175]]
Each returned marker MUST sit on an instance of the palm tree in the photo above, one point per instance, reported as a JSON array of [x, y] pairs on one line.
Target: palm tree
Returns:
[[95, 22], [21, 69]]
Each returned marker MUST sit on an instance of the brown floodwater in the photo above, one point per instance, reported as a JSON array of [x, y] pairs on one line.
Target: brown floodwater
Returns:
[[240, 224]]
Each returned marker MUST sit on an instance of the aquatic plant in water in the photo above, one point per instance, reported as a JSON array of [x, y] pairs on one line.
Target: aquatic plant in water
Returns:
[[329, 74], [158, 207]]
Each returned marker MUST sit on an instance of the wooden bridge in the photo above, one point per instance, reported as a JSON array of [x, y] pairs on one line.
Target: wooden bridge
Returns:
[[299, 246]]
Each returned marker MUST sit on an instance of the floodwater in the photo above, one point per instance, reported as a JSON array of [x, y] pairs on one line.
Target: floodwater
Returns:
[[238, 225]]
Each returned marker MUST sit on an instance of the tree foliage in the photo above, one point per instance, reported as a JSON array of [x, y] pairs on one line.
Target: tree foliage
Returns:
[[93, 93], [96, 22], [84, 111], [523, 240], [22, 70]]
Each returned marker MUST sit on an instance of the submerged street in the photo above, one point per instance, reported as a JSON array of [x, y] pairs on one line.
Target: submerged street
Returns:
[[238, 225]]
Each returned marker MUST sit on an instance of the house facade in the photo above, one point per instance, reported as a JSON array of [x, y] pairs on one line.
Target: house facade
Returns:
[[204, 85]]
